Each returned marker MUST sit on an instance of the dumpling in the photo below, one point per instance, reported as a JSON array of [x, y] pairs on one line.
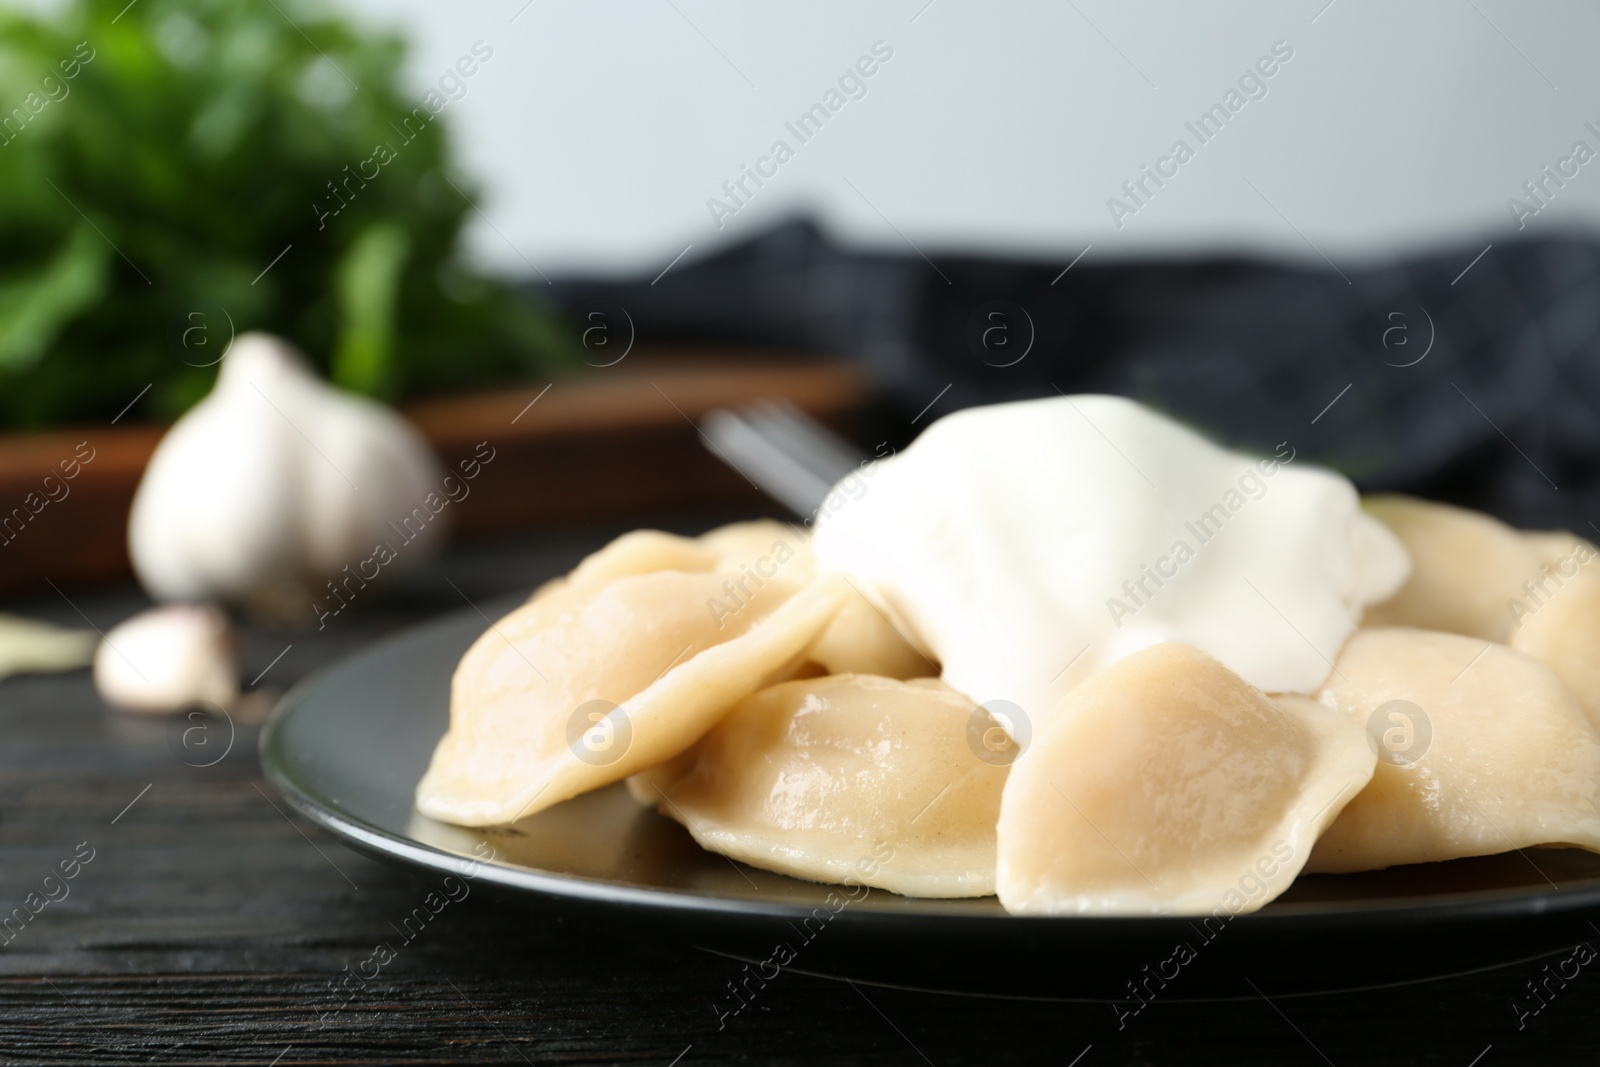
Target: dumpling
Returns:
[[1557, 616], [1483, 751], [1466, 567], [849, 778], [756, 551], [860, 639], [644, 552], [1166, 784], [764, 544], [751, 543], [647, 786], [620, 668]]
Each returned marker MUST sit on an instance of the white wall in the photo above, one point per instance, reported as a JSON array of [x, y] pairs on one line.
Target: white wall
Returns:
[[600, 128]]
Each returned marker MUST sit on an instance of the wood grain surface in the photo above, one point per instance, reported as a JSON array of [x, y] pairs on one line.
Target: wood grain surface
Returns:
[[212, 927]]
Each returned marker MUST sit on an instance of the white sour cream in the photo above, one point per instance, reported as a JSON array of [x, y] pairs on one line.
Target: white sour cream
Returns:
[[1025, 546]]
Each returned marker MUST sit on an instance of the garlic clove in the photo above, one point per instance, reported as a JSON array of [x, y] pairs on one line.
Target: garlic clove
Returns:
[[167, 658], [275, 482], [29, 646]]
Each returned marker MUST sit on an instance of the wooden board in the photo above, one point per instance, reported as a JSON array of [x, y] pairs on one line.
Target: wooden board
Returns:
[[599, 445]]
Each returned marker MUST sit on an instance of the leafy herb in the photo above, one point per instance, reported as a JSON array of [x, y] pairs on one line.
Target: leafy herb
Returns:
[[180, 170]]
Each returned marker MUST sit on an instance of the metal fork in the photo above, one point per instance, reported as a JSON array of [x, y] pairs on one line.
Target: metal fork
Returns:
[[790, 456]]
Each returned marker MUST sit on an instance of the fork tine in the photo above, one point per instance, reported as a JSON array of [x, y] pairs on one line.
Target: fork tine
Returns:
[[807, 440], [766, 461]]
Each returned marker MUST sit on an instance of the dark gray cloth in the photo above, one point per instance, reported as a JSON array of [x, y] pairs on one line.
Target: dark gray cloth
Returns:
[[1483, 390]]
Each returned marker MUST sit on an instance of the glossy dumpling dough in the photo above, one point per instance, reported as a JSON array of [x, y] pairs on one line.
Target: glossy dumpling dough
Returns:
[[1466, 568], [1500, 756], [1167, 784], [620, 668], [1557, 617], [849, 778]]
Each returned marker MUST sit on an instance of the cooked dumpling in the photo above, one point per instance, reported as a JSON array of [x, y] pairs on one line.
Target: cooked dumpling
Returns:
[[860, 639], [1483, 751], [618, 669], [1557, 617], [763, 545], [649, 785], [1167, 784], [849, 778], [644, 552], [765, 548], [1466, 567], [773, 548]]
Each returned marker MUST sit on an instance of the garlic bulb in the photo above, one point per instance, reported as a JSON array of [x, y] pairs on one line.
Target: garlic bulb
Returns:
[[274, 483], [166, 658]]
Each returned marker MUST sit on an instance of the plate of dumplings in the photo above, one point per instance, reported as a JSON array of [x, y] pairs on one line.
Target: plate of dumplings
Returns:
[[1062, 701]]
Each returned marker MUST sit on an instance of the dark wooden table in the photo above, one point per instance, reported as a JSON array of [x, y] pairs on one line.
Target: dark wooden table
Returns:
[[211, 926]]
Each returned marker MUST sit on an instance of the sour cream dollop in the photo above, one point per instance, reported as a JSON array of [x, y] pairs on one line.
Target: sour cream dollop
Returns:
[[1025, 546]]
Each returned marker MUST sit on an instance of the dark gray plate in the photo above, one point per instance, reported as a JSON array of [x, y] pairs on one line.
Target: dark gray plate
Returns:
[[347, 747]]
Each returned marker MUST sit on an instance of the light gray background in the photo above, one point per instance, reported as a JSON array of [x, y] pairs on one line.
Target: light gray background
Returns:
[[600, 128]]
